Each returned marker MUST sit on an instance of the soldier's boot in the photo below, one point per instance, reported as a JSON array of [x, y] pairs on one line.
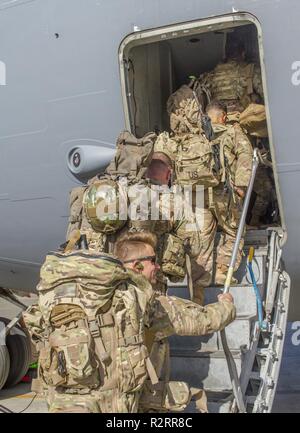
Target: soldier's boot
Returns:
[[199, 287], [221, 274], [199, 294]]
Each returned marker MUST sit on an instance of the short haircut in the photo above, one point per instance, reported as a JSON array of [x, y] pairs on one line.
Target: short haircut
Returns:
[[156, 166], [217, 106], [163, 157], [132, 245]]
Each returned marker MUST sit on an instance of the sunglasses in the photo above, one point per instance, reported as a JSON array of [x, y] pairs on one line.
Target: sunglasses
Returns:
[[141, 259]]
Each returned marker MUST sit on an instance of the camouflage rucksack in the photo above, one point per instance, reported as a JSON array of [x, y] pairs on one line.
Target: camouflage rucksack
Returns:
[[183, 110], [132, 155], [89, 326], [197, 161], [254, 120], [131, 161], [231, 81]]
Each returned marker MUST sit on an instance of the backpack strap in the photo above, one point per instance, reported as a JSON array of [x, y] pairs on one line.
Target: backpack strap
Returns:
[[95, 324], [73, 239], [151, 371]]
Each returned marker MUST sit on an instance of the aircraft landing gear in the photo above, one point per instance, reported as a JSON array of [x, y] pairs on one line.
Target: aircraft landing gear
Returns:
[[15, 346]]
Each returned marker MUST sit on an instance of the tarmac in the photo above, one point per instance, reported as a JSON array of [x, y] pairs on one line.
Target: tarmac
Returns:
[[287, 399]]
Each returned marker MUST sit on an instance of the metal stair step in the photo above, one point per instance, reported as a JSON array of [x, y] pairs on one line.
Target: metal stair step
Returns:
[[206, 369], [256, 238], [239, 332], [244, 297], [200, 361], [258, 266], [255, 375], [219, 402], [204, 343], [222, 406], [238, 335]]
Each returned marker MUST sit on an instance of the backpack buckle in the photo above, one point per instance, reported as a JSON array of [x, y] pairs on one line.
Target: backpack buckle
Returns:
[[132, 340], [94, 327]]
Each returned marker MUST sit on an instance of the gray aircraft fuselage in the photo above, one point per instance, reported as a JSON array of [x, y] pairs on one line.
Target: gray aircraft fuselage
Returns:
[[60, 88]]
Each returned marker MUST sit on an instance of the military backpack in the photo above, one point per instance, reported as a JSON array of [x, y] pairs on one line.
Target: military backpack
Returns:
[[253, 119], [130, 162], [89, 326], [197, 161]]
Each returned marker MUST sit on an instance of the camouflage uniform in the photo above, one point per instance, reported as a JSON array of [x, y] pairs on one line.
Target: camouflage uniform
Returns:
[[170, 234], [169, 315], [237, 83], [89, 326], [222, 207], [82, 370]]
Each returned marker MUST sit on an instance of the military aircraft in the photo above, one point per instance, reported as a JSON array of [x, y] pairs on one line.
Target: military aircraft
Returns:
[[75, 73]]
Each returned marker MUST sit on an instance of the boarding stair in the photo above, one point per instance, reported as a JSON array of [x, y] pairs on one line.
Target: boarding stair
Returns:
[[200, 361]]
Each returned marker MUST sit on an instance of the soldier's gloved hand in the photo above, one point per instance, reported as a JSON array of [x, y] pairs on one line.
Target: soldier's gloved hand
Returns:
[[226, 297]]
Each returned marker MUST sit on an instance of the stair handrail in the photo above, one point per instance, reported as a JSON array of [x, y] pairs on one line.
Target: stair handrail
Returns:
[[236, 386]]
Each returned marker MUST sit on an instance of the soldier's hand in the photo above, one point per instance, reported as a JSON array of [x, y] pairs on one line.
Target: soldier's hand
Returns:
[[240, 192], [22, 322], [226, 297]]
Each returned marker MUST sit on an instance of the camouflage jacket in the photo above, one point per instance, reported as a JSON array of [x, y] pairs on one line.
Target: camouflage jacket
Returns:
[[165, 316], [170, 315], [234, 81], [235, 154]]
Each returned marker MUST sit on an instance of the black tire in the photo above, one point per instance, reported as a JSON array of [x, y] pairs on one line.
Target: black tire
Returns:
[[4, 364], [19, 350]]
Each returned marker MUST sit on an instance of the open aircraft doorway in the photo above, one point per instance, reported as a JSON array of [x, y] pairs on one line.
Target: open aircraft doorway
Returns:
[[153, 65]]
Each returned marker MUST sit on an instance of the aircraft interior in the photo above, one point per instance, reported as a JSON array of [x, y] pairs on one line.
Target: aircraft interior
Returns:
[[156, 69]]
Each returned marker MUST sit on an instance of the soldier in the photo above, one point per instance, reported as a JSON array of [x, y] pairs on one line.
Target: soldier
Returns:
[[235, 81], [103, 233], [223, 203], [89, 327], [238, 83], [167, 315], [90, 322]]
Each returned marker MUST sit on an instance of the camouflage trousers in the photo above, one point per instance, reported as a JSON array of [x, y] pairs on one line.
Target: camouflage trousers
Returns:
[[263, 190], [108, 401], [220, 210]]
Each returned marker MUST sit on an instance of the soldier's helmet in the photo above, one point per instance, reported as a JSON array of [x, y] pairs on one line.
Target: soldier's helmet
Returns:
[[105, 205]]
